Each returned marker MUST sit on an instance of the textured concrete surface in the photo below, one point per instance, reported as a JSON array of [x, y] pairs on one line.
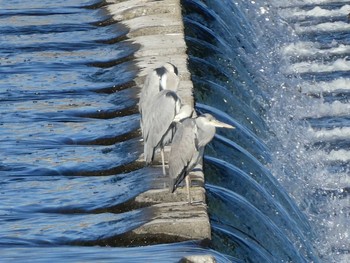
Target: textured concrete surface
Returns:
[[157, 28]]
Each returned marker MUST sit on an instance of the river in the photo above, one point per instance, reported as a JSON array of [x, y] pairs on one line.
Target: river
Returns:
[[277, 185]]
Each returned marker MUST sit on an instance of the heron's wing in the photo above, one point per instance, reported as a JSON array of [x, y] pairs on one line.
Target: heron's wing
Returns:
[[158, 121], [149, 89], [183, 150]]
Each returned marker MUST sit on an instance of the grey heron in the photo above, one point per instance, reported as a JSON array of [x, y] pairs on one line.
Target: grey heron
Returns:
[[162, 78], [159, 124], [187, 149]]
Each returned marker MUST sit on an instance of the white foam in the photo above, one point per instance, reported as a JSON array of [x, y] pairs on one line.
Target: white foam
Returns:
[[333, 134], [313, 49], [338, 155], [325, 180], [300, 48], [286, 3], [328, 109], [311, 168], [316, 12], [323, 27], [340, 84], [304, 67]]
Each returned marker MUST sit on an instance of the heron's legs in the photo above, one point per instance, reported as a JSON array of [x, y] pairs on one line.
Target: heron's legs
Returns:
[[188, 186], [163, 162]]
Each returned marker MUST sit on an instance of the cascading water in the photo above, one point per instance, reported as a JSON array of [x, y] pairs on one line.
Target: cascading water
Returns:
[[319, 57], [248, 62], [226, 79], [278, 185]]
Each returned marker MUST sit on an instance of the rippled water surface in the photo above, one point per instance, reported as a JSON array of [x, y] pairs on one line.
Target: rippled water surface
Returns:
[[66, 120], [70, 138], [277, 185]]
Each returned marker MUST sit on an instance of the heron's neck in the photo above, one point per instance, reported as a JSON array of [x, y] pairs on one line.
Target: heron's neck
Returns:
[[170, 81], [163, 82], [206, 133]]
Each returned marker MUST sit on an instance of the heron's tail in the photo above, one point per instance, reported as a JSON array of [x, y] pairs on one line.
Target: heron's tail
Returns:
[[172, 185], [148, 153], [175, 182]]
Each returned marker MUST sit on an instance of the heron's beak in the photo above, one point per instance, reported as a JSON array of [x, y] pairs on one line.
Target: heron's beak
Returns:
[[220, 124]]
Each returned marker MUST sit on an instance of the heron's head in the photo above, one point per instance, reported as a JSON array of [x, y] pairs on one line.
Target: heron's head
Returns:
[[171, 68], [209, 119], [169, 78]]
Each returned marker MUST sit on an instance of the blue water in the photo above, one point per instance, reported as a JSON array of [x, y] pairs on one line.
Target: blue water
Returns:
[[70, 139]]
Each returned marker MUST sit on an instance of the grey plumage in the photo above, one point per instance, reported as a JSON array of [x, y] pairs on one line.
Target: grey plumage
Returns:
[[158, 127], [160, 107], [162, 78], [184, 153], [191, 136]]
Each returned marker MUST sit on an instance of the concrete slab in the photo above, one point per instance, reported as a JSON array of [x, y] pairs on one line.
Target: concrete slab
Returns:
[[164, 45], [127, 10], [178, 219], [198, 259]]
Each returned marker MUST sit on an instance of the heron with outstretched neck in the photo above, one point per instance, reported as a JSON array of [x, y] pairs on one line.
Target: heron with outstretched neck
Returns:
[[187, 149]]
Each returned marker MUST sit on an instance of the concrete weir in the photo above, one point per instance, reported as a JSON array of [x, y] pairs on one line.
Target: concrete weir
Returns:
[[157, 27]]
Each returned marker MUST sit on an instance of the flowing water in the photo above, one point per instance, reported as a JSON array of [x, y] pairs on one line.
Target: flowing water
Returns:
[[278, 185]]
